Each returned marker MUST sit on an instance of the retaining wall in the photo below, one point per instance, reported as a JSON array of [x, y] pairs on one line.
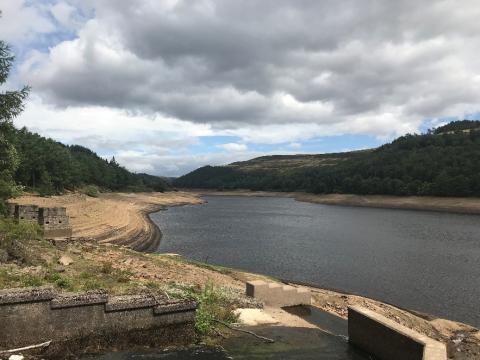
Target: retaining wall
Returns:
[[388, 340], [91, 321]]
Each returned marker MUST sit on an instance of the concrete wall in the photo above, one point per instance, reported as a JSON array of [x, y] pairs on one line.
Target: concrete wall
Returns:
[[89, 321], [28, 213], [54, 221], [388, 340]]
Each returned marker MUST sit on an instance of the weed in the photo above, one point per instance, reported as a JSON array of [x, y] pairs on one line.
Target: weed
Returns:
[[213, 305], [64, 283], [107, 268], [31, 280]]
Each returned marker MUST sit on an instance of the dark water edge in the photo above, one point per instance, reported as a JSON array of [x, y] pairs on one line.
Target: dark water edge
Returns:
[[419, 260]]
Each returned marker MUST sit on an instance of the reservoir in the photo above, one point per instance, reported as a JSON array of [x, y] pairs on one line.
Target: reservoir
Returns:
[[419, 260]]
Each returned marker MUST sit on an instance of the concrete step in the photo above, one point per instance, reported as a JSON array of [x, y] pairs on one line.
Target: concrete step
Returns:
[[276, 294]]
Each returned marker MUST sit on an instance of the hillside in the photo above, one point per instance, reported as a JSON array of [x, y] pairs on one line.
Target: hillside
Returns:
[[50, 167], [443, 162]]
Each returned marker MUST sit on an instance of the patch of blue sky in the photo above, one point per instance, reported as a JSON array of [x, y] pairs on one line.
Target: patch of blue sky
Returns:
[[211, 144], [432, 123]]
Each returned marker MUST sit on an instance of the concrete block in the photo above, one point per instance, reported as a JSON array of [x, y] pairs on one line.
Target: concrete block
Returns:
[[276, 294], [387, 340], [304, 296], [257, 289]]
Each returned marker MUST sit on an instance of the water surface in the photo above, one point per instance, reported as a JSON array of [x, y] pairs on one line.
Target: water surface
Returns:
[[425, 261]]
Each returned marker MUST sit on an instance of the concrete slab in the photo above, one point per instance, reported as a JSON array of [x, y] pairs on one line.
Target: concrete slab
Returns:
[[388, 340]]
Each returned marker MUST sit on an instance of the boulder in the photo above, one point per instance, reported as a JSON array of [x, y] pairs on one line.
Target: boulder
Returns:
[[65, 260]]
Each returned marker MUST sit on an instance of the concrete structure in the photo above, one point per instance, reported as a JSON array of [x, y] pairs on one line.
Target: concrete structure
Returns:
[[27, 213], [278, 295], [91, 321], [55, 222], [11, 209], [387, 340]]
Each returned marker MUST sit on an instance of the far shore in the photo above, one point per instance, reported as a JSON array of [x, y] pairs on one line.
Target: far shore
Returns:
[[427, 203]]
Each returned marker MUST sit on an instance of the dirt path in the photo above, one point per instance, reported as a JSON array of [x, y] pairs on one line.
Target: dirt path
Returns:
[[119, 218]]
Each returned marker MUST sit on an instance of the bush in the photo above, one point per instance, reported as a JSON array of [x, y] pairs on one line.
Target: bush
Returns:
[[214, 305], [90, 190], [11, 233]]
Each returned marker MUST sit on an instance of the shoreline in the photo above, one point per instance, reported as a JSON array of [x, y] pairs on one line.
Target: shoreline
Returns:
[[116, 218], [469, 206]]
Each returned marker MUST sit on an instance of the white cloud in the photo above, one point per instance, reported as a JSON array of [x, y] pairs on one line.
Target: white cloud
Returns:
[[64, 13], [234, 147], [21, 21]]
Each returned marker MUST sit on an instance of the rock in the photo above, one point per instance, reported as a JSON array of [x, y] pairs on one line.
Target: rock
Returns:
[[16, 357], [65, 260], [59, 268]]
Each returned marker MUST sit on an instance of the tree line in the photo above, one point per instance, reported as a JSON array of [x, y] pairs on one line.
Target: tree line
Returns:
[[442, 162]]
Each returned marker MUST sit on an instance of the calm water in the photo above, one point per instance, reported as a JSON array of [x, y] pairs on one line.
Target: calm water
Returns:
[[424, 261]]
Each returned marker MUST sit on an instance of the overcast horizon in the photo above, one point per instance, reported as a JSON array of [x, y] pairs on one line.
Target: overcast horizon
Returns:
[[169, 86]]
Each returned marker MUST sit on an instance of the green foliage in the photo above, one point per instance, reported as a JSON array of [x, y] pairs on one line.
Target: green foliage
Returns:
[[11, 105], [11, 231], [50, 167], [90, 190], [213, 305], [444, 163]]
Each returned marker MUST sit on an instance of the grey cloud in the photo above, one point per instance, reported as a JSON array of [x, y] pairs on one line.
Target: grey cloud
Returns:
[[226, 62]]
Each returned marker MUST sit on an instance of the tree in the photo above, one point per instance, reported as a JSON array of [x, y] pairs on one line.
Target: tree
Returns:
[[11, 105]]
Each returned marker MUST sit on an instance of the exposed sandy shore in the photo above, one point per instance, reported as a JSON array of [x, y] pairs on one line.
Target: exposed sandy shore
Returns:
[[454, 205], [119, 218]]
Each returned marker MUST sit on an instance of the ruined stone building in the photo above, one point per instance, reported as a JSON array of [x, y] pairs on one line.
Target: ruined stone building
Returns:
[[54, 221]]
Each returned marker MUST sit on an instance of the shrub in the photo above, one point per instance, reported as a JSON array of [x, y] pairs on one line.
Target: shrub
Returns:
[[90, 190], [12, 234], [107, 268], [213, 304]]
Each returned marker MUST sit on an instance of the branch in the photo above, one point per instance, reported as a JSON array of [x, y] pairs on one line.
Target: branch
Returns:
[[268, 340], [45, 344]]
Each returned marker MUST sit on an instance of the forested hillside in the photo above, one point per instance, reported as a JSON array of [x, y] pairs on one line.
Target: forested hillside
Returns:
[[51, 167], [443, 162]]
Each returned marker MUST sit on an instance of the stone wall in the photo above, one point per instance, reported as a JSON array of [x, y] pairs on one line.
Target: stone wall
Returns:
[[28, 213], [11, 209], [90, 321]]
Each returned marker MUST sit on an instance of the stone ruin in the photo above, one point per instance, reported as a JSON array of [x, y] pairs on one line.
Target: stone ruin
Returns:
[[54, 221]]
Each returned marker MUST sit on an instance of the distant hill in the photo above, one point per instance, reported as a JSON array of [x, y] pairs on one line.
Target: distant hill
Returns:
[[443, 162], [51, 167]]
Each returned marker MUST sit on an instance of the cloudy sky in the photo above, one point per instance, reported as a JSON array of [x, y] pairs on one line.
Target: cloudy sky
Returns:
[[170, 85]]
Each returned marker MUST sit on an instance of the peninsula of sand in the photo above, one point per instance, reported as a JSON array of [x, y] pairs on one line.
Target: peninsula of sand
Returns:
[[116, 218]]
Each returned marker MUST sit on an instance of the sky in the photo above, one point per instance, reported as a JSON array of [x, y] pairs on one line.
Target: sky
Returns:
[[167, 86]]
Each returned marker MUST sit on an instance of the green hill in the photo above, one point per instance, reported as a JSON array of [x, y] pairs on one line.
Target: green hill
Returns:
[[50, 167], [443, 162]]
